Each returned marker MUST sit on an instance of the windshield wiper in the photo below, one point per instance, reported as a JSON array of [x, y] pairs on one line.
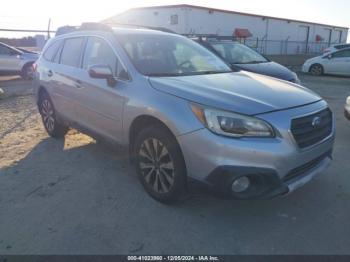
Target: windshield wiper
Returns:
[[208, 72], [251, 62], [164, 74]]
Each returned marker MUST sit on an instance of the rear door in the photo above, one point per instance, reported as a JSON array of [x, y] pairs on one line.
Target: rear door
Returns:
[[339, 63], [99, 106], [66, 76]]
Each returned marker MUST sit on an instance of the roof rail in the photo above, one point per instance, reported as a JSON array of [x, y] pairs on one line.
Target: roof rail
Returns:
[[202, 37], [84, 26], [95, 27], [157, 28]]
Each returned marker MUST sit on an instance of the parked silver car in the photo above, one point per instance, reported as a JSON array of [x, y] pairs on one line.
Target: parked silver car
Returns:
[[182, 113], [336, 63], [16, 62]]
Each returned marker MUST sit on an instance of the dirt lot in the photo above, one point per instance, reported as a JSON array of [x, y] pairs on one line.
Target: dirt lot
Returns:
[[75, 196]]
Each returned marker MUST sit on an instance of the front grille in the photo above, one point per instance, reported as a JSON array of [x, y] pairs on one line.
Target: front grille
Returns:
[[301, 170], [311, 129]]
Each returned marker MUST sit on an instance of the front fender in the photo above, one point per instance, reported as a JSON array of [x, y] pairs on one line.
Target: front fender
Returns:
[[172, 111]]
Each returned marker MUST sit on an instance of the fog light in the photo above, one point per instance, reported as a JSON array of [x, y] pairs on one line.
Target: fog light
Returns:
[[240, 184]]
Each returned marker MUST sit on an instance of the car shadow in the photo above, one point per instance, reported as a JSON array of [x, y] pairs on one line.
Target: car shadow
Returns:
[[103, 169], [90, 192]]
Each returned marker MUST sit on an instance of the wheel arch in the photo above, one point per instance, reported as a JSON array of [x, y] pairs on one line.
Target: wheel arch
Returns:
[[316, 64], [41, 90], [141, 122]]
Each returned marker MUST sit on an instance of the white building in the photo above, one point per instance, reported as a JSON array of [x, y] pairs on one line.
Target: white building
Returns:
[[271, 35]]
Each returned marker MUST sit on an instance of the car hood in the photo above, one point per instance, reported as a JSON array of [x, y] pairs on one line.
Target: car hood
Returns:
[[241, 92], [270, 69], [314, 59]]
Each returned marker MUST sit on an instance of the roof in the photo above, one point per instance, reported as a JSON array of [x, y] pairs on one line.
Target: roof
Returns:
[[234, 12]]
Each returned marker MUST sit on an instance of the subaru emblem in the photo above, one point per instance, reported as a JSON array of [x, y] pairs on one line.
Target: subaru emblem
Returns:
[[316, 121]]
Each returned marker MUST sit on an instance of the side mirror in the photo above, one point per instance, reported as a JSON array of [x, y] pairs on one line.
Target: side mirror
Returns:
[[102, 72]]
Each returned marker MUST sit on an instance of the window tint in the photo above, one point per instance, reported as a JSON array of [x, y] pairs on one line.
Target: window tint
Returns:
[[236, 53], [99, 52], [72, 51], [52, 50], [340, 54], [4, 50], [341, 46], [56, 58]]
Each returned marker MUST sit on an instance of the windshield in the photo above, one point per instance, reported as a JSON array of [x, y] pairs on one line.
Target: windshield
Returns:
[[170, 55], [235, 53]]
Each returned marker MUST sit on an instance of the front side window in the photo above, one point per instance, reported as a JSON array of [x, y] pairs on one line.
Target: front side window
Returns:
[[71, 52], [99, 52], [170, 55], [236, 53], [5, 50], [341, 54]]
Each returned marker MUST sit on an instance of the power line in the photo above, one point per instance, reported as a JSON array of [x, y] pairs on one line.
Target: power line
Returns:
[[26, 30]]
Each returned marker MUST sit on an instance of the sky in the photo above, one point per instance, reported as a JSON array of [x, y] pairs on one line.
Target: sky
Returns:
[[24, 14]]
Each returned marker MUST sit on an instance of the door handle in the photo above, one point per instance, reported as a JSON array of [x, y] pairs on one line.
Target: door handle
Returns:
[[49, 73], [78, 84]]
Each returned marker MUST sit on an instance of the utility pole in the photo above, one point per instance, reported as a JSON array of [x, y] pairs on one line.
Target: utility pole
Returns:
[[48, 29]]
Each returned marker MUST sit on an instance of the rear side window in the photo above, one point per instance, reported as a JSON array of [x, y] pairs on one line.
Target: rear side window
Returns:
[[4, 50], [51, 51], [71, 52]]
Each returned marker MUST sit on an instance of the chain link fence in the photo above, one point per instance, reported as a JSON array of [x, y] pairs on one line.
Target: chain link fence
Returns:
[[286, 47]]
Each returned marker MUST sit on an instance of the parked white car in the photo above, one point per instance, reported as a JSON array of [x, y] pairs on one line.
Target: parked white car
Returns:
[[336, 47], [347, 108], [336, 63], [16, 62]]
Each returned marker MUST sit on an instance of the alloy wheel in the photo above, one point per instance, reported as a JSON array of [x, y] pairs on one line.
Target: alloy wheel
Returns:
[[156, 165], [48, 115], [316, 70]]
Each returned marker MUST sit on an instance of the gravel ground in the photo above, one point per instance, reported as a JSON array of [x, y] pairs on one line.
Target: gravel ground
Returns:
[[75, 196]]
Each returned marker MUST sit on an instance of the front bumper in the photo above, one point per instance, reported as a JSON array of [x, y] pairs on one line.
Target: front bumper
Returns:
[[277, 162], [347, 111], [305, 68]]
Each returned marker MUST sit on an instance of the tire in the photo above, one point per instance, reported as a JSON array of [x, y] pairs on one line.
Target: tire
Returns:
[[27, 72], [316, 70], [160, 165], [48, 116]]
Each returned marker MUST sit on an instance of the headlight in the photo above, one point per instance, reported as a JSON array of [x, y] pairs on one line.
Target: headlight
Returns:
[[348, 101], [232, 124], [296, 79]]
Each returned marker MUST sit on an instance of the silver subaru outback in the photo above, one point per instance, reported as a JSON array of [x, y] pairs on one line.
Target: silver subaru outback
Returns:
[[183, 114]]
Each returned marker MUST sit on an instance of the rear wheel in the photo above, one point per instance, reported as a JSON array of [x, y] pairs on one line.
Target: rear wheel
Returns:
[[316, 70], [160, 165], [27, 72], [48, 116]]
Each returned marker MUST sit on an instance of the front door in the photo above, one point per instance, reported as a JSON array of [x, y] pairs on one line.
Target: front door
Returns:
[[98, 105], [339, 63]]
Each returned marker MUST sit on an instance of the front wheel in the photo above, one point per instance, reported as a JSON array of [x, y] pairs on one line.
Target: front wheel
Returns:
[[160, 165], [48, 116], [316, 70]]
